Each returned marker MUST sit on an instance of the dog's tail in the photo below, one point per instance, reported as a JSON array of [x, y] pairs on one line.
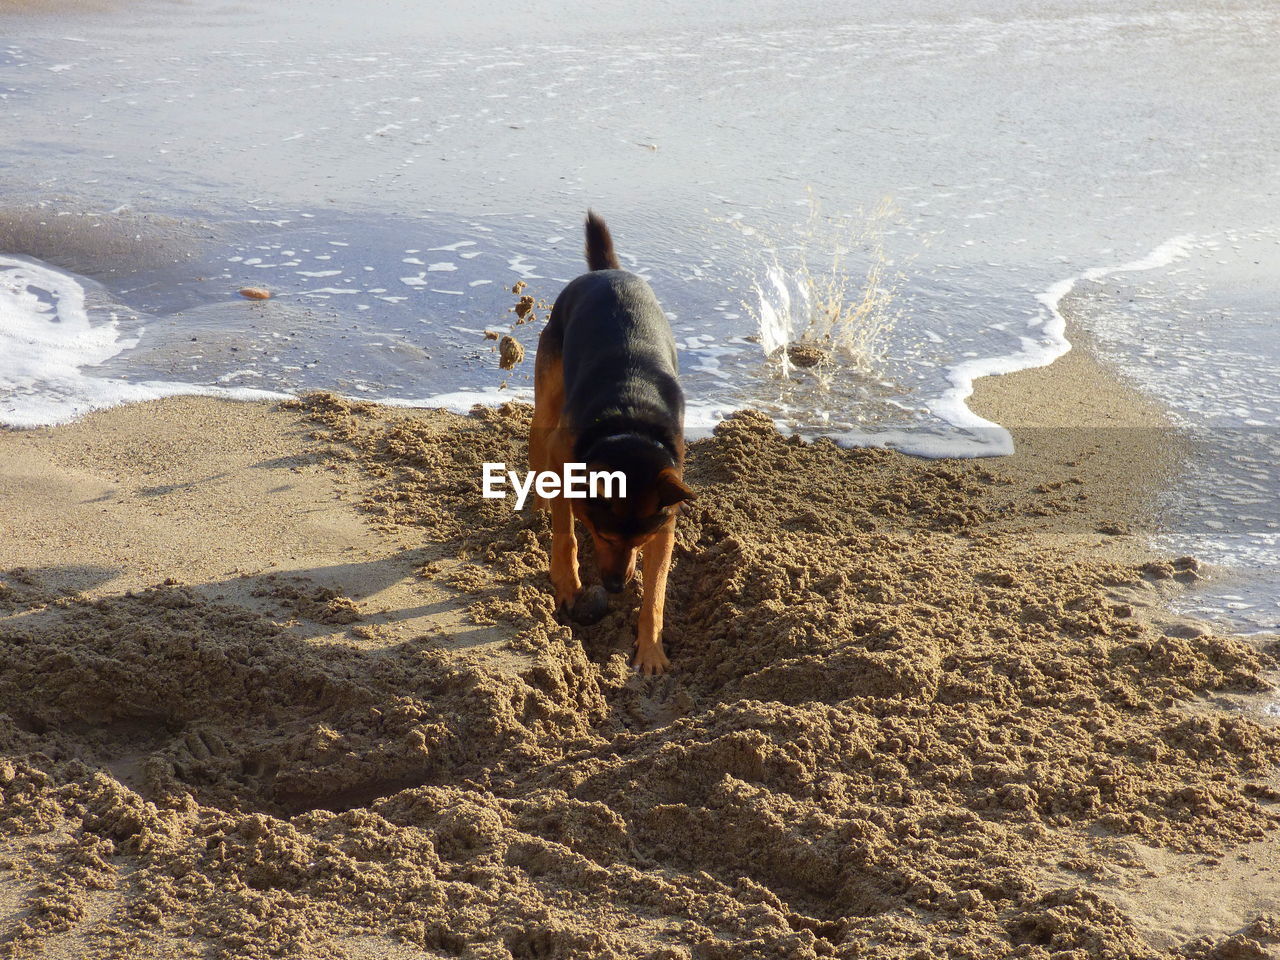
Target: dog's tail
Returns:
[[600, 255]]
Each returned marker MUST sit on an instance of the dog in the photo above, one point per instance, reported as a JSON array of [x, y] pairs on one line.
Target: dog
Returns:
[[607, 394]]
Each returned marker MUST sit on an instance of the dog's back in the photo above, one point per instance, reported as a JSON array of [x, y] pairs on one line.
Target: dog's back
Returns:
[[606, 395], [620, 363]]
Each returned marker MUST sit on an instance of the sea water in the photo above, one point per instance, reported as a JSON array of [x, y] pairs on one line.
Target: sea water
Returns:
[[914, 187]]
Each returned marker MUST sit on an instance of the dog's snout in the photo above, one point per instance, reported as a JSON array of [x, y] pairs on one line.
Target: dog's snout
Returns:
[[613, 582]]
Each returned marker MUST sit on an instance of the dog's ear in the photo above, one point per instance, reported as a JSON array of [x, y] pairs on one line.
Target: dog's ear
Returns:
[[671, 489]]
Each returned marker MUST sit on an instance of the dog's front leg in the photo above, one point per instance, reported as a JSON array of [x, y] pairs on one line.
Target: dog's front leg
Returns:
[[650, 657], [564, 556]]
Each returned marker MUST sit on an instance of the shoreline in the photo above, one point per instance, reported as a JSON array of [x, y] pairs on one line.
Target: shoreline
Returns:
[[1074, 422], [101, 247], [1077, 414]]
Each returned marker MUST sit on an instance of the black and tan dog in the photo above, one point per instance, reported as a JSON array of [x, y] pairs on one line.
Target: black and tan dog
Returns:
[[606, 394]]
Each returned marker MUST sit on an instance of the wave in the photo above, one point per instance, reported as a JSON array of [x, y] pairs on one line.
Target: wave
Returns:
[[49, 345]]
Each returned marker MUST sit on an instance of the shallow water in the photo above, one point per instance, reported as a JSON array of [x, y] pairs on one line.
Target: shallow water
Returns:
[[389, 178], [1200, 332]]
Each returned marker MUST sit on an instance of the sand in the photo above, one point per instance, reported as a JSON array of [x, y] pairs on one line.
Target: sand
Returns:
[[99, 245], [54, 6], [276, 682]]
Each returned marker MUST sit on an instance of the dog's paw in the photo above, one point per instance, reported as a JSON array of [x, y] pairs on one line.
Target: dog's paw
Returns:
[[566, 597], [651, 660]]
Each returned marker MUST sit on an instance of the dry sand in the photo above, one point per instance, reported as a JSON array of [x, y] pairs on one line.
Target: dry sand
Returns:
[[276, 682]]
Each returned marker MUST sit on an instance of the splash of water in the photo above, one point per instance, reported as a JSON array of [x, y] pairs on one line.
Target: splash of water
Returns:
[[775, 326], [833, 316]]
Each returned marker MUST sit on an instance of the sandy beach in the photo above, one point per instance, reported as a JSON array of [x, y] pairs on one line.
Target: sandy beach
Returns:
[[278, 683]]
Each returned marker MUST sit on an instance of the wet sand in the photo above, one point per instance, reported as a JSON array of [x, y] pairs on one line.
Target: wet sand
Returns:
[[54, 6], [277, 682], [104, 246]]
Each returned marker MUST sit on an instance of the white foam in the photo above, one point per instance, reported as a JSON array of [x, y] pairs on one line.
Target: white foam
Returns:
[[1172, 249], [701, 417], [48, 342], [461, 401], [983, 437]]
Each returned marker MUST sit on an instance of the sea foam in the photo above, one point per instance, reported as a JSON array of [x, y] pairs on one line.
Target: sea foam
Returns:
[[50, 344], [1039, 349]]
